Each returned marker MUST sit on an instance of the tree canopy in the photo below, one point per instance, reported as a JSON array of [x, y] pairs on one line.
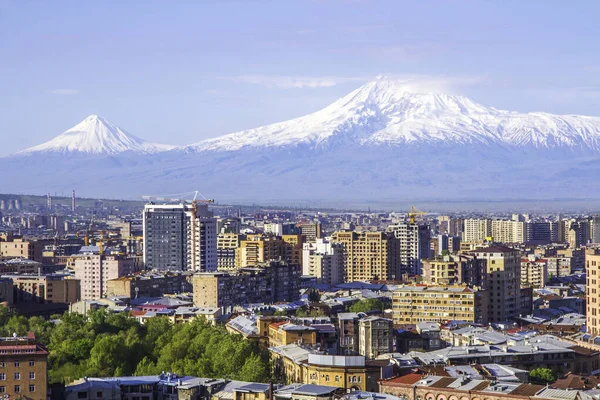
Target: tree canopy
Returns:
[[542, 376], [367, 305], [112, 344]]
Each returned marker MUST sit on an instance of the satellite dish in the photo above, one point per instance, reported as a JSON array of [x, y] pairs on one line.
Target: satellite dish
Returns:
[[15, 335]]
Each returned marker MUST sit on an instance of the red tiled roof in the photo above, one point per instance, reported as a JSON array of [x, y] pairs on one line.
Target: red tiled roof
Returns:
[[408, 379]]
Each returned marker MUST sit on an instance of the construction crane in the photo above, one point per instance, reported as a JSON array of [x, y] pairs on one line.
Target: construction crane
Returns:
[[413, 213], [179, 198]]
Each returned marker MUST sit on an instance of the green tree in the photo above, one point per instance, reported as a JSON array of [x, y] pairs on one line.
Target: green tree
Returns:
[[314, 296], [542, 376], [367, 305]]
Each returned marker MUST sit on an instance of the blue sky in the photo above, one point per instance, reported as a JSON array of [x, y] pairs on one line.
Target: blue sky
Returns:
[[179, 72]]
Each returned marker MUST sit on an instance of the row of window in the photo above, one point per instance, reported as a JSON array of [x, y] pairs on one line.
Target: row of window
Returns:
[[17, 364], [17, 376], [17, 389]]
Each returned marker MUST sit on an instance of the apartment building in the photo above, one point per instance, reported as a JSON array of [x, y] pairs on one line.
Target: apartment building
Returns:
[[455, 269], [271, 282], [149, 284], [46, 289], [95, 270], [412, 304], [310, 231], [476, 230], [503, 281], [413, 245], [592, 292], [368, 255], [23, 368], [534, 273], [180, 237], [19, 247], [227, 250], [258, 248]]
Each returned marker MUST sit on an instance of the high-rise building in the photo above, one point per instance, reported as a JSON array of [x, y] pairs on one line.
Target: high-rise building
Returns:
[[477, 230], [504, 231], [73, 205], [595, 228], [578, 233], [180, 237], [592, 292], [503, 281], [413, 245], [368, 255]]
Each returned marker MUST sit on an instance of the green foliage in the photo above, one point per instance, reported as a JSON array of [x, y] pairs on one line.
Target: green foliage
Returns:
[[105, 344], [542, 376], [314, 296], [313, 312], [367, 305]]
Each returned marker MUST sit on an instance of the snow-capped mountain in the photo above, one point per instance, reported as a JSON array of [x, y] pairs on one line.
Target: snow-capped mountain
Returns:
[[96, 135], [391, 113], [385, 140]]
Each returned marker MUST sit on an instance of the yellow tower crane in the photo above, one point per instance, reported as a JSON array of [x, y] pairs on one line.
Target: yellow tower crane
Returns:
[[413, 213]]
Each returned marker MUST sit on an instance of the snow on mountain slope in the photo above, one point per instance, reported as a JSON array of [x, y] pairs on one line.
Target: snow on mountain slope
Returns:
[[96, 135], [391, 113]]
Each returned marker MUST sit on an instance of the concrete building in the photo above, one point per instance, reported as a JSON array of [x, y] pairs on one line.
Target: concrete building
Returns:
[[19, 247], [227, 250], [413, 245], [534, 273], [375, 336], [149, 285], [476, 230], [455, 269], [504, 231], [95, 270], [6, 292], [503, 281], [46, 289], [412, 304], [592, 292], [368, 255], [559, 266], [270, 282], [323, 260], [179, 237], [578, 233], [257, 248], [310, 231], [23, 368], [18, 266]]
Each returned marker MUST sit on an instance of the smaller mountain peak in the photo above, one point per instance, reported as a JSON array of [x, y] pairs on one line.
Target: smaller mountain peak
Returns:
[[97, 135]]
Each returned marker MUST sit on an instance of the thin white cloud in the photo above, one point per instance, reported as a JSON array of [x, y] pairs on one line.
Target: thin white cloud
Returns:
[[426, 83], [65, 92], [293, 82]]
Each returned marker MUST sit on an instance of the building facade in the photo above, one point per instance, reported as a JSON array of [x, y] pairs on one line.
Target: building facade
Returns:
[[179, 237], [412, 304]]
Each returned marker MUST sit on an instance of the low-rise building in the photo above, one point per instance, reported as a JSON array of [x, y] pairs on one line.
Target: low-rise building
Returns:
[[149, 285], [375, 336], [412, 304], [23, 368], [271, 282]]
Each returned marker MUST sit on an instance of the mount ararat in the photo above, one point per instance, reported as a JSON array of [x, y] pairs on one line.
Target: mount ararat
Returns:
[[381, 142]]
